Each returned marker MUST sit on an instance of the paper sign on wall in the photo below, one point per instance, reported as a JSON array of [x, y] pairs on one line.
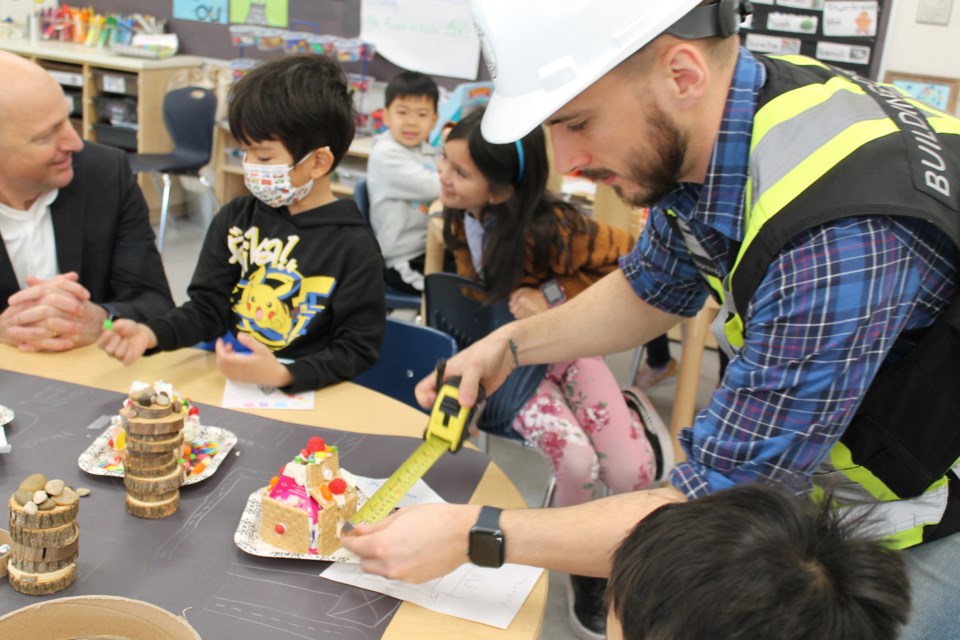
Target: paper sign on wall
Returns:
[[850, 19], [213, 11], [816, 5], [430, 36], [849, 53], [772, 44], [793, 22], [269, 13]]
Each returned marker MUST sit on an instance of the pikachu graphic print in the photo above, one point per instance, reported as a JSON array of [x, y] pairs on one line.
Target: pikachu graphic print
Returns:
[[274, 302]]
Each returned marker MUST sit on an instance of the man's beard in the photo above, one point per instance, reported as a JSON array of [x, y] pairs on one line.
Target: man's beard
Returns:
[[655, 171]]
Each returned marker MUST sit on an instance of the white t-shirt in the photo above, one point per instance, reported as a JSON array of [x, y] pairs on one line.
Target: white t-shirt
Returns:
[[28, 237]]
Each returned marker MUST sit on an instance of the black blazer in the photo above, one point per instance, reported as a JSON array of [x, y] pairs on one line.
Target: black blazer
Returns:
[[101, 226]]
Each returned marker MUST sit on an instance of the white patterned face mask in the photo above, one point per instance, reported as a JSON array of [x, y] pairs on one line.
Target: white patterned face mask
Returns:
[[270, 183]]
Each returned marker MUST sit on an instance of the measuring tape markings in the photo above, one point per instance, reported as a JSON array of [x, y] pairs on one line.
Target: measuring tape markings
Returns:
[[446, 431]]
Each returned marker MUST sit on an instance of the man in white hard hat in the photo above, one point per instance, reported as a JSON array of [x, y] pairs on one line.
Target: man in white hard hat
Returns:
[[819, 208], [76, 245]]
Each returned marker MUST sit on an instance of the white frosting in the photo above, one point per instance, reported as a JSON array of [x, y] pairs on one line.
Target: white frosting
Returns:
[[296, 471], [327, 475], [348, 478]]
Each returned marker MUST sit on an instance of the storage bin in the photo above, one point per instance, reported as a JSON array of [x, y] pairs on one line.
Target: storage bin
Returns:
[[116, 82], [296, 42], [116, 110], [240, 66], [242, 35], [66, 74], [123, 137], [323, 44], [268, 39], [359, 82], [75, 99]]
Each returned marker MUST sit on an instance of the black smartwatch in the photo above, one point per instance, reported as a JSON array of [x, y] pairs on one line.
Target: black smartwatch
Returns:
[[487, 544], [553, 292]]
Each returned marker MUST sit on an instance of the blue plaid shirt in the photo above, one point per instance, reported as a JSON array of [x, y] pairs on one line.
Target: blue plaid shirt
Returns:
[[819, 326]]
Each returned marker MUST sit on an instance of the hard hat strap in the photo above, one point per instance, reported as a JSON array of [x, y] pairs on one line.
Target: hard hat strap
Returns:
[[721, 18]]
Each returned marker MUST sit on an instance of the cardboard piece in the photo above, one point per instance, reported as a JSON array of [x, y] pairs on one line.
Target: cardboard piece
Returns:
[[84, 616]]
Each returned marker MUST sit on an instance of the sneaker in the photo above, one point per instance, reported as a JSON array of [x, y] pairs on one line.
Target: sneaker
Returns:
[[588, 616], [657, 432], [647, 376]]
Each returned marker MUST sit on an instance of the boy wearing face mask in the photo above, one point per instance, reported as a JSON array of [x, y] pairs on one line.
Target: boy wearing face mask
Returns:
[[290, 272]]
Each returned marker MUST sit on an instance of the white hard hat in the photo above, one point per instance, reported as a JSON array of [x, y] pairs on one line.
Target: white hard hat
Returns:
[[543, 53]]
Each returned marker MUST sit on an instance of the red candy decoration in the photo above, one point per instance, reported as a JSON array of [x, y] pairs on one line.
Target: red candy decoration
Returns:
[[338, 486], [315, 443], [193, 411], [280, 529]]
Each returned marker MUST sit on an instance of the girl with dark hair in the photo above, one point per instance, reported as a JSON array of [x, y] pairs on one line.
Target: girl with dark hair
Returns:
[[534, 251]]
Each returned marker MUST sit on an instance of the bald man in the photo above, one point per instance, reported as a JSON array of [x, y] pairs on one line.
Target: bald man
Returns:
[[77, 244]]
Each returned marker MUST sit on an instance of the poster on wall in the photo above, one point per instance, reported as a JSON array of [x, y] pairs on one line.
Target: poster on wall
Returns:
[[850, 19], [436, 37], [268, 13], [213, 11]]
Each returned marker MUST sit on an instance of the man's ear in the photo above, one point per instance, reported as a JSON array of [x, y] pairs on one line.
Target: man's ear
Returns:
[[321, 162], [687, 69], [499, 195]]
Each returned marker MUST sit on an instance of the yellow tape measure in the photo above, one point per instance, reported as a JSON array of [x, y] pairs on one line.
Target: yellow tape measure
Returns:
[[446, 431]]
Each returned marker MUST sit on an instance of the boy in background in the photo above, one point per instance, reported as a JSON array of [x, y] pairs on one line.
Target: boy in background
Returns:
[[290, 270], [402, 178], [755, 562]]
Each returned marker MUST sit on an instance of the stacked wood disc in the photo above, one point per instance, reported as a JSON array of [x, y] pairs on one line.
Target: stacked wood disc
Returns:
[[151, 470], [46, 538]]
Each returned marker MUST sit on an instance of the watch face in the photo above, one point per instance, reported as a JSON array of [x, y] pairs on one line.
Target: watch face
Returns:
[[486, 548], [552, 292]]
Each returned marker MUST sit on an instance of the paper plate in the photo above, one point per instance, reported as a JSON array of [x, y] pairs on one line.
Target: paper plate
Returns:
[[6, 415], [100, 451], [248, 537]]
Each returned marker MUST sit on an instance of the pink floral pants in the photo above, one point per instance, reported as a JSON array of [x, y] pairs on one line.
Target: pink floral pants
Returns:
[[580, 421]]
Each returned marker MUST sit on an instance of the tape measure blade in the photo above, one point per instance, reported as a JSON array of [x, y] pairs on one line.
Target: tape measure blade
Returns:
[[397, 485]]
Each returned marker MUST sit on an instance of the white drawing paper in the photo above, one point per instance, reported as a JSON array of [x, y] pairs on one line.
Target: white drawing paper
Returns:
[[849, 53], [242, 395], [487, 596], [846, 19], [431, 36]]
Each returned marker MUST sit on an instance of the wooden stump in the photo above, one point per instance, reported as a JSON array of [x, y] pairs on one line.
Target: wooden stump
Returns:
[[45, 548]]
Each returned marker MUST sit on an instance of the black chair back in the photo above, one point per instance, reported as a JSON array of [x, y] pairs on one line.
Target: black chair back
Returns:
[[454, 306], [410, 353], [189, 114]]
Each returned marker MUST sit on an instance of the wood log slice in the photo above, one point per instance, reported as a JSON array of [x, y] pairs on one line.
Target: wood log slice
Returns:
[[41, 583], [24, 554], [154, 486], [153, 412], [142, 425], [56, 517], [152, 510], [54, 537], [140, 471], [161, 446]]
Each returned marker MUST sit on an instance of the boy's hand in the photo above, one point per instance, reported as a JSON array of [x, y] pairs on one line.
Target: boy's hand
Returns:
[[127, 340], [259, 366]]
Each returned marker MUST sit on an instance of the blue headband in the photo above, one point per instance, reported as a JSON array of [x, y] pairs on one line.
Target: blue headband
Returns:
[[519, 145]]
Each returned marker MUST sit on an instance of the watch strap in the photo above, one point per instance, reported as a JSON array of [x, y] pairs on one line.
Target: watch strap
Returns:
[[489, 518]]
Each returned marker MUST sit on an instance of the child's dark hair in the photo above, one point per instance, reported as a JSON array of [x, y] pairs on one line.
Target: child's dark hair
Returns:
[[528, 224], [302, 101], [412, 84], [757, 561]]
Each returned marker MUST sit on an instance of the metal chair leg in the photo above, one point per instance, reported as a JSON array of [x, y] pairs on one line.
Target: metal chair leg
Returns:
[[213, 196], [164, 209]]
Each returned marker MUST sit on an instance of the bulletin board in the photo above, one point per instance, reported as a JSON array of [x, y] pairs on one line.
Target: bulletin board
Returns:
[[211, 38], [843, 33]]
